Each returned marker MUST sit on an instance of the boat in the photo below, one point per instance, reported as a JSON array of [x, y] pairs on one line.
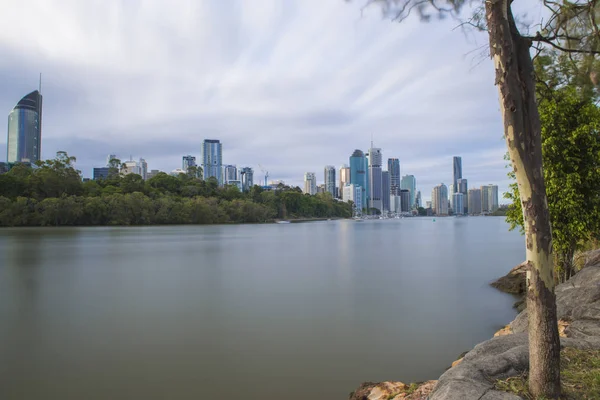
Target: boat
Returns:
[[283, 222]]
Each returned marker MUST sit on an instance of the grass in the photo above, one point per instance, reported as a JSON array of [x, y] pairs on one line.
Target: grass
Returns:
[[580, 376]]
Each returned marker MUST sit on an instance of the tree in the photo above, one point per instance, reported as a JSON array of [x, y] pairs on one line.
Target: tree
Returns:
[[571, 153], [571, 28]]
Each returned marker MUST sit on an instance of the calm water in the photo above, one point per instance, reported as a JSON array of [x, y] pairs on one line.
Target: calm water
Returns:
[[296, 311]]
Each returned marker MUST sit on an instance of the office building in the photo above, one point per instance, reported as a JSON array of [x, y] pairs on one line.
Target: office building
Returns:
[[394, 170], [353, 193], [344, 174], [330, 180], [474, 201], [187, 162], [152, 173], [418, 201], [395, 204], [439, 199], [143, 169], [310, 183], [409, 182], [109, 158], [100, 173], [458, 202], [374, 191], [212, 159], [230, 173], [405, 200], [131, 167], [385, 190], [457, 172], [358, 173], [463, 188], [489, 198], [24, 141], [247, 178]]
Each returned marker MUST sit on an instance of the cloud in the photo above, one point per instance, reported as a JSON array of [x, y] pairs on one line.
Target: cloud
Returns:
[[292, 85]]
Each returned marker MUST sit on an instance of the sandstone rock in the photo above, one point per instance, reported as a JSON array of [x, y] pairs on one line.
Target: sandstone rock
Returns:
[[504, 331], [514, 281], [378, 391], [455, 363], [421, 393]]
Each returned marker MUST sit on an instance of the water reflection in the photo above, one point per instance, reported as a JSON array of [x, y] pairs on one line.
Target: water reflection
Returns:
[[261, 311]]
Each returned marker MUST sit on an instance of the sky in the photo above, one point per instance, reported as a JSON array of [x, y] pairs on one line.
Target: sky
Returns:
[[291, 85]]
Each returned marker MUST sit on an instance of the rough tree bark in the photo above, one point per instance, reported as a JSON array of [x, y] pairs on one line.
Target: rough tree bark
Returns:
[[516, 86]]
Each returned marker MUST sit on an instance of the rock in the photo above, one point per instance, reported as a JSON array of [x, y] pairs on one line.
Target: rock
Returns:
[[378, 391], [576, 299], [514, 282], [504, 331], [421, 393], [455, 363]]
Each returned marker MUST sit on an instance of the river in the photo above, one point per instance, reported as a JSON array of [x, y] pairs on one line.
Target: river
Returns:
[[277, 311]]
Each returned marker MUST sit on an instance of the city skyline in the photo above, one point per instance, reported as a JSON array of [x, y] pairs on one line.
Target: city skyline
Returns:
[[244, 96]]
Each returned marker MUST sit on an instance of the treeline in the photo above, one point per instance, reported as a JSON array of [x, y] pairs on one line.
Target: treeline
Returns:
[[53, 194]]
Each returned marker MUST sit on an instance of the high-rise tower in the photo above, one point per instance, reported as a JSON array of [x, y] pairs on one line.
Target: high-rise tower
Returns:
[[24, 143], [394, 170], [212, 159], [374, 177], [330, 180], [358, 173], [457, 172]]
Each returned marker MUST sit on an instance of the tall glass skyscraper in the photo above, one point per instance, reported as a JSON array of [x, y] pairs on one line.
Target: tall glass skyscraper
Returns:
[[409, 182], [457, 172], [394, 170], [24, 142], [330, 180], [358, 173], [374, 179], [247, 175], [385, 190], [212, 159]]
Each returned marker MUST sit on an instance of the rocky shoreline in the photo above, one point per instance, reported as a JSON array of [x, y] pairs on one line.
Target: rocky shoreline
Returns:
[[507, 354]]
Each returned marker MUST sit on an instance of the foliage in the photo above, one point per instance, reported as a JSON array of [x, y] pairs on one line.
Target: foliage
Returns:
[[580, 375], [571, 156], [54, 195]]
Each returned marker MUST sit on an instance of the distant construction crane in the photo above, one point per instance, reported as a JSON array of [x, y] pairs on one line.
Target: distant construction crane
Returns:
[[264, 172]]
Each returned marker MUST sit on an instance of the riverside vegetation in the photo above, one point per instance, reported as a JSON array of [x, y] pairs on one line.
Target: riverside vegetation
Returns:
[[53, 194]]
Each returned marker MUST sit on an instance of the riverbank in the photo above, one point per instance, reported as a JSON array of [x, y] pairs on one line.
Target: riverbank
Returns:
[[480, 373]]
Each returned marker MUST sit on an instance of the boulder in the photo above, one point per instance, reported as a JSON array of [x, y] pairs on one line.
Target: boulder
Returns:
[[514, 282]]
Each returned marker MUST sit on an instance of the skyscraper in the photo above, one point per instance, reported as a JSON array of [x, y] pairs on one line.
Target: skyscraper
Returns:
[[457, 170], [310, 183], [409, 182], [489, 198], [439, 199], [394, 170], [358, 173], [385, 190], [247, 178], [24, 142], [230, 174], [143, 168], [330, 180], [405, 200], [353, 193], [188, 161], [212, 159], [110, 157], [464, 189], [418, 201], [458, 202], [474, 201], [344, 179], [374, 179]]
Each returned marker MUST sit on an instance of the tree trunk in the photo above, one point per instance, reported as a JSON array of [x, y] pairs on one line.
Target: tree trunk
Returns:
[[516, 86]]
